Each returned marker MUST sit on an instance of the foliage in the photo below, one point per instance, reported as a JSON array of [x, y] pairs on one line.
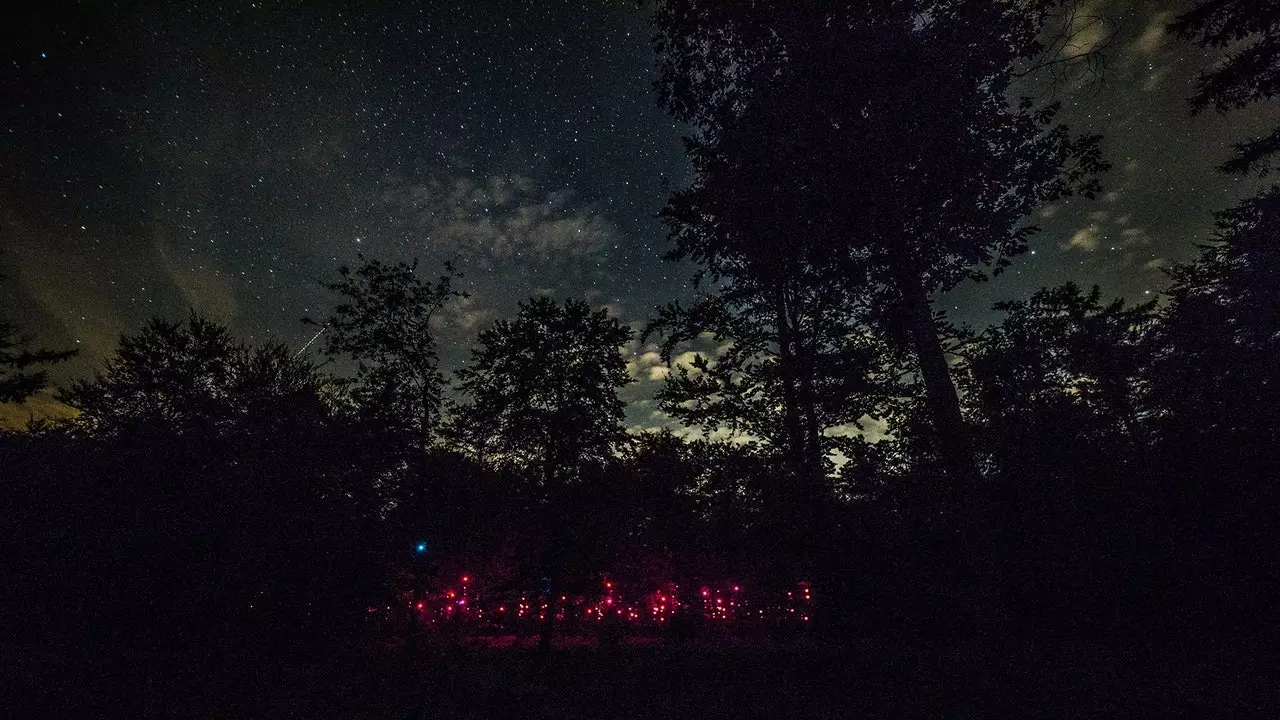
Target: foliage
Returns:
[[1057, 379], [1248, 31], [878, 147], [384, 326], [543, 390], [21, 367]]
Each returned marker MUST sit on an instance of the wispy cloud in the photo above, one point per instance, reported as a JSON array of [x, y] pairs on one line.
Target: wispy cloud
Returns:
[[496, 218]]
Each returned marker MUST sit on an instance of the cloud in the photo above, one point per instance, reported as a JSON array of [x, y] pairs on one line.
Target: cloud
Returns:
[[1087, 239], [465, 314], [870, 428], [498, 218], [1152, 37], [201, 285], [1135, 236], [647, 365], [1155, 265]]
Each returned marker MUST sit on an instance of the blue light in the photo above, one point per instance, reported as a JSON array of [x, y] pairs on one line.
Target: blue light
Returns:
[[420, 547]]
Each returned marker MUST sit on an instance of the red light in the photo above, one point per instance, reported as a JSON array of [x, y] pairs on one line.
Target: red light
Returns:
[[419, 606], [466, 578], [608, 601], [608, 584], [452, 594], [736, 588], [502, 608], [705, 592]]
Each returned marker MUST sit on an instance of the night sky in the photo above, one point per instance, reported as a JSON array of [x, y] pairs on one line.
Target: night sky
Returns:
[[228, 156]]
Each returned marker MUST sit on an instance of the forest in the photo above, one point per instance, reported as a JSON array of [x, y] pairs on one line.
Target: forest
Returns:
[[1084, 488]]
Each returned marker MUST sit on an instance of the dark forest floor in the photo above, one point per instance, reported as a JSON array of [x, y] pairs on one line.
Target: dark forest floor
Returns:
[[793, 678]]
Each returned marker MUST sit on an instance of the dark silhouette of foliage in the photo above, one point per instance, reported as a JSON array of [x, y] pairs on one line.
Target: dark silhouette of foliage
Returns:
[[171, 377], [383, 325], [22, 372], [787, 367], [543, 391], [1061, 370], [1214, 375], [1248, 32], [22, 367], [202, 501], [876, 144]]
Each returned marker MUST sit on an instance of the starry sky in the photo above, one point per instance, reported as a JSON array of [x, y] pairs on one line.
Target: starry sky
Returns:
[[227, 156]]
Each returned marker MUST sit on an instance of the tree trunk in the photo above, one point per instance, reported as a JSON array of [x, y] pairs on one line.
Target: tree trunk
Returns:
[[552, 496], [792, 430], [940, 392], [548, 624]]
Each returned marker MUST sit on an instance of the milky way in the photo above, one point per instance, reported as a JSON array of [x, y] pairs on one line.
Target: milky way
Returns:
[[228, 156]]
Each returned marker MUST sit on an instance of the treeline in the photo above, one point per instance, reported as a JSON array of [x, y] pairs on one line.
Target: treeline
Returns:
[[1081, 467]]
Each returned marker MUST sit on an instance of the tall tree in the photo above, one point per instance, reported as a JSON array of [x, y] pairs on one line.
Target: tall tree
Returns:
[[543, 391], [1214, 375], [874, 141], [792, 362], [170, 377], [383, 326]]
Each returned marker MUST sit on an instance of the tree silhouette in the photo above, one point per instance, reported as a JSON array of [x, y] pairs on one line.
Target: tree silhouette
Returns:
[[543, 392], [170, 377], [878, 145], [229, 483], [21, 366], [1060, 373], [793, 362], [383, 325], [1247, 75]]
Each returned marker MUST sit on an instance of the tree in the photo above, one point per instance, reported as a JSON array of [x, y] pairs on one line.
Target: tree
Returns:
[[875, 143], [170, 377], [1057, 392], [384, 327], [21, 366], [1056, 380], [1248, 75], [794, 368], [229, 482], [543, 391]]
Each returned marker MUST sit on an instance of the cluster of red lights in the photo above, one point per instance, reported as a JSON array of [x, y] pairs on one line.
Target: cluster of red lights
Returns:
[[722, 603]]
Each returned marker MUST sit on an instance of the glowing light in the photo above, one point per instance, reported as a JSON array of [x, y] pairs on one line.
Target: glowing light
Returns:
[[608, 601], [419, 606], [608, 585], [420, 547], [466, 579], [736, 588]]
